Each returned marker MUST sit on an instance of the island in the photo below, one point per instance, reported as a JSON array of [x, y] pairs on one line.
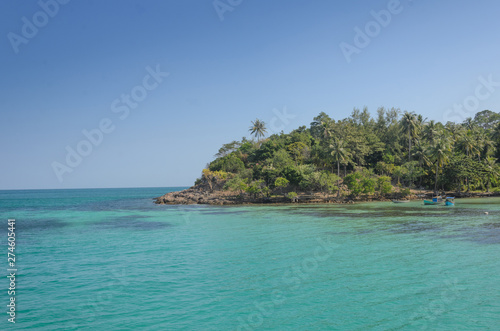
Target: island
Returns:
[[397, 155]]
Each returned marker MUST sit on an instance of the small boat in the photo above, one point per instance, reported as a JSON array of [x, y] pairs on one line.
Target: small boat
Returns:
[[435, 201], [450, 201], [400, 201]]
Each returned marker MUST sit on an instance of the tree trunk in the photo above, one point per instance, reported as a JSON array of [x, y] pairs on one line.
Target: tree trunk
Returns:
[[409, 145], [436, 183], [338, 179]]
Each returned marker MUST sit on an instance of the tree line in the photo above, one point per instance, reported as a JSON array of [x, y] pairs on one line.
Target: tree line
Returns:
[[362, 155]]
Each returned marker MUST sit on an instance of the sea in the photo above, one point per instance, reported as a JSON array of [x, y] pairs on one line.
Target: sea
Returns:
[[111, 259]]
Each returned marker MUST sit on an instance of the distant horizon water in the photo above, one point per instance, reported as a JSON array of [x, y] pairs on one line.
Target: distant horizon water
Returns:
[[94, 188]]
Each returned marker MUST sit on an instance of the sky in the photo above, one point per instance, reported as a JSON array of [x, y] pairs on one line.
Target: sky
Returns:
[[137, 93]]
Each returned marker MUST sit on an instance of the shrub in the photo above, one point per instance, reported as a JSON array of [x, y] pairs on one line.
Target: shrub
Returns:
[[236, 184], [281, 182], [255, 188], [228, 163], [292, 196], [384, 185], [367, 185], [405, 192], [214, 178], [352, 182], [292, 174]]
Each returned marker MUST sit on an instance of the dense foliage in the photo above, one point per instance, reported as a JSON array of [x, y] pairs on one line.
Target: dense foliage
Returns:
[[363, 155]]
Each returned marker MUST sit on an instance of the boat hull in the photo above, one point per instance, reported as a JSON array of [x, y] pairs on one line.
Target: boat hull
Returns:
[[428, 203]]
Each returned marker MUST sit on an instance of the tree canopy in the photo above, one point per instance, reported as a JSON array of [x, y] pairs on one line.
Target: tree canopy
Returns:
[[364, 155]]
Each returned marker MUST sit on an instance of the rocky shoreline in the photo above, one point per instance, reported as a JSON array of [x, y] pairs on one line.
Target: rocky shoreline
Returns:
[[201, 195]]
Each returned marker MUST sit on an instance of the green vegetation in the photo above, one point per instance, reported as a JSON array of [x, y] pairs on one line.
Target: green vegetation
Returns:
[[362, 155]]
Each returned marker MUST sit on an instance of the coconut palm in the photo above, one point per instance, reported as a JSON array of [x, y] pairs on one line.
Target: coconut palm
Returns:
[[491, 171], [456, 130], [326, 129], [410, 126], [484, 144], [340, 154], [420, 152], [469, 123], [431, 131], [496, 133], [258, 129], [439, 153], [468, 144], [488, 146]]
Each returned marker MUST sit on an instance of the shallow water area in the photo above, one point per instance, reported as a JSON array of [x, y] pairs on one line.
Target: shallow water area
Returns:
[[112, 259]]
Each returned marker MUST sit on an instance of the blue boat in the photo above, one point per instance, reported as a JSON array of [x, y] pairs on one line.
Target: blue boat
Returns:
[[450, 201]]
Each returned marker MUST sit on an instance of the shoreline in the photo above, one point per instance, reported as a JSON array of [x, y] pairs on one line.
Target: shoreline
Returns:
[[198, 195]]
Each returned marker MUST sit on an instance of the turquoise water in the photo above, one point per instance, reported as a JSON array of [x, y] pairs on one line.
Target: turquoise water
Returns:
[[110, 259]]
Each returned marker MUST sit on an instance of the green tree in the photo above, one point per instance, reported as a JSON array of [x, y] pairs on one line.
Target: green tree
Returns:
[[431, 132], [368, 185], [258, 129], [228, 163], [319, 124], [491, 171], [299, 151], [281, 159], [410, 127], [439, 153], [255, 188], [340, 154], [228, 148], [486, 119], [384, 185], [353, 183], [292, 196], [236, 184], [281, 183]]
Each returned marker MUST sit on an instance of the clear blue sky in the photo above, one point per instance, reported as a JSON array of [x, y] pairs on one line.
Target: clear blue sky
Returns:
[[263, 55]]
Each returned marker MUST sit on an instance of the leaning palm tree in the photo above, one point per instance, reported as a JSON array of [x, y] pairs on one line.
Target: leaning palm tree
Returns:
[[258, 129], [439, 153], [340, 154]]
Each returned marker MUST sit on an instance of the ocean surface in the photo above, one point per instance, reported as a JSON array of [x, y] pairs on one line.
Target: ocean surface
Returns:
[[110, 259]]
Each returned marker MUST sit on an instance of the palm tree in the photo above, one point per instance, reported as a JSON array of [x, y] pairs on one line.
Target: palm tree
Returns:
[[456, 130], [258, 129], [468, 144], [491, 171], [326, 129], [439, 153], [420, 152], [431, 131], [340, 155], [410, 126], [469, 123], [496, 139], [484, 144]]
